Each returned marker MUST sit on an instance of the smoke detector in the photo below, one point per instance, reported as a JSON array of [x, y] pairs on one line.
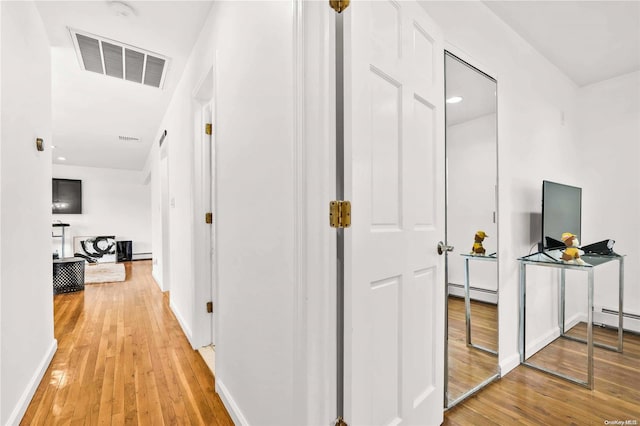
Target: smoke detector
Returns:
[[122, 9], [116, 59]]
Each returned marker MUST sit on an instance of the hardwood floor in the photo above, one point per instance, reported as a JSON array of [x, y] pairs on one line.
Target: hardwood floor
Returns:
[[123, 359], [468, 366], [529, 397]]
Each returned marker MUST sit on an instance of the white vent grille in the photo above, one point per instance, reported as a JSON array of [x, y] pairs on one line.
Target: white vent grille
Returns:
[[128, 138], [115, 59]]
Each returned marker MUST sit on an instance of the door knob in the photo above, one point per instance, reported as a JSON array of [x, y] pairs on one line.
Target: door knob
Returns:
[[442, 247]]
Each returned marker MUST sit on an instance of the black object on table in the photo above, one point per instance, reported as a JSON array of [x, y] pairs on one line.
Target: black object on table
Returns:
[[68, 275]]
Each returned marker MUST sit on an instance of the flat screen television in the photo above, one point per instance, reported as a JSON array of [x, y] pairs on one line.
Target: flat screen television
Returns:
[[67, 196], [561, 212]]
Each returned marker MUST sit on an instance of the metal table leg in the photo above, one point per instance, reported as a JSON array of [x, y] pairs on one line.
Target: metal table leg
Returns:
[[62, 250], [467, 306], [467, 303], [590, 332], [620, 303], [523, 300], [618, 347], [562, 300]]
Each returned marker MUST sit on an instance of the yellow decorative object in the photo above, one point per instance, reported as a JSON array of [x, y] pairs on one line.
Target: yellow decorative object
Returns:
[[572, 253], [477, 248]]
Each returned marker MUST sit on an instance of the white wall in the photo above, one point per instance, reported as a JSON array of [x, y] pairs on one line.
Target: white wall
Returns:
[[471, 201], [180, 149], [536, 122], [255, 198], [274, 178], [27, 343], [608, 135], [157, 228], [114, 202]]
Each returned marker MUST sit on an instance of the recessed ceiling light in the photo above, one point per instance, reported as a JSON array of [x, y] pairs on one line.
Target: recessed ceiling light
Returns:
[[53, 146], [62, 159], [454, 100]]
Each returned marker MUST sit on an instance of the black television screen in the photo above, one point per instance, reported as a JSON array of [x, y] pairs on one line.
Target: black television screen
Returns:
[[561, 212], [67, 196]]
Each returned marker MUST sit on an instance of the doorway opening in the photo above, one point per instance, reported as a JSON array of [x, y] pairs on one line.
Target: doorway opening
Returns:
[[205, 197]]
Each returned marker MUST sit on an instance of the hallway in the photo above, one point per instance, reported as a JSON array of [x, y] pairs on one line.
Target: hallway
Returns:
[[123, 359]]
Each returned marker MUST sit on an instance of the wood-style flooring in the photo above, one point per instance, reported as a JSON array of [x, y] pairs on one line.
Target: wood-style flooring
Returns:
[[529, 397], [469, 366], [123, 359]]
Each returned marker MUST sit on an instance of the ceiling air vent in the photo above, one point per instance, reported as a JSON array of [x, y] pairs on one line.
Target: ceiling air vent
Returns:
[[128, 138], [116, 59]]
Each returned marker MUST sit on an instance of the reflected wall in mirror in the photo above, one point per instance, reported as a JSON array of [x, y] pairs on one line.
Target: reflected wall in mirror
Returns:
[[472, 269]]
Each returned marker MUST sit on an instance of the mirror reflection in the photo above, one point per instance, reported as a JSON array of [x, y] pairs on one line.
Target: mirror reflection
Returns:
[[472, 268]]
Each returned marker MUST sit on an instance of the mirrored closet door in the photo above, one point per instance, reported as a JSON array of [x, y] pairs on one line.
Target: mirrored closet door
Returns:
[[472, 267]]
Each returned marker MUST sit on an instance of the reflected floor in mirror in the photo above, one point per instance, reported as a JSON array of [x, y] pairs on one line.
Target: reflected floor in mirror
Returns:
[[469, 366], [530, 397]]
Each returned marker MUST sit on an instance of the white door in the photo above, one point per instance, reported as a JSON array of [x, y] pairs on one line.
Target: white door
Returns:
[[394, 277]]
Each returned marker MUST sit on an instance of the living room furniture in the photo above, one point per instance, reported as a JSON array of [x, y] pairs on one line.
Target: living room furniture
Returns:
[[551, 259], [68, 275]]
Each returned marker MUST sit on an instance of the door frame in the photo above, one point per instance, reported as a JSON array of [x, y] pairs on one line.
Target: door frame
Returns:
[[203, 98], [165, 212]]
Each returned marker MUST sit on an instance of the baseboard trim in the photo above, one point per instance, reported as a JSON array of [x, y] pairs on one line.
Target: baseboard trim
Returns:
[[542, 341], [553, 334], [186, 330], [230, 404], [508, 364], [156, 279], [27, 395], [575, 320]]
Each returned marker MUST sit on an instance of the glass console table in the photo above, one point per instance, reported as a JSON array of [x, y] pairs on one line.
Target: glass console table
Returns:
[[62, 226], [552, 259], [467, 299]]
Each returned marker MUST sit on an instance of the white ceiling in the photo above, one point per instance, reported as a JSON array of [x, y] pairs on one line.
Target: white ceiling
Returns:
[[589, 41], [478, 92], [91, 110]]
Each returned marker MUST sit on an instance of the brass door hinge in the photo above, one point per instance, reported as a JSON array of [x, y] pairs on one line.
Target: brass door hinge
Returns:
[[339, 5], [208, 218], [208, 128], [340, 214], [209, 307], [340, 422]]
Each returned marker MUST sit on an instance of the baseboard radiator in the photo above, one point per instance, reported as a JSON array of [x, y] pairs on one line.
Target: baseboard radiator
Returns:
[[141, 256], [475, 293], [609, 317]]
